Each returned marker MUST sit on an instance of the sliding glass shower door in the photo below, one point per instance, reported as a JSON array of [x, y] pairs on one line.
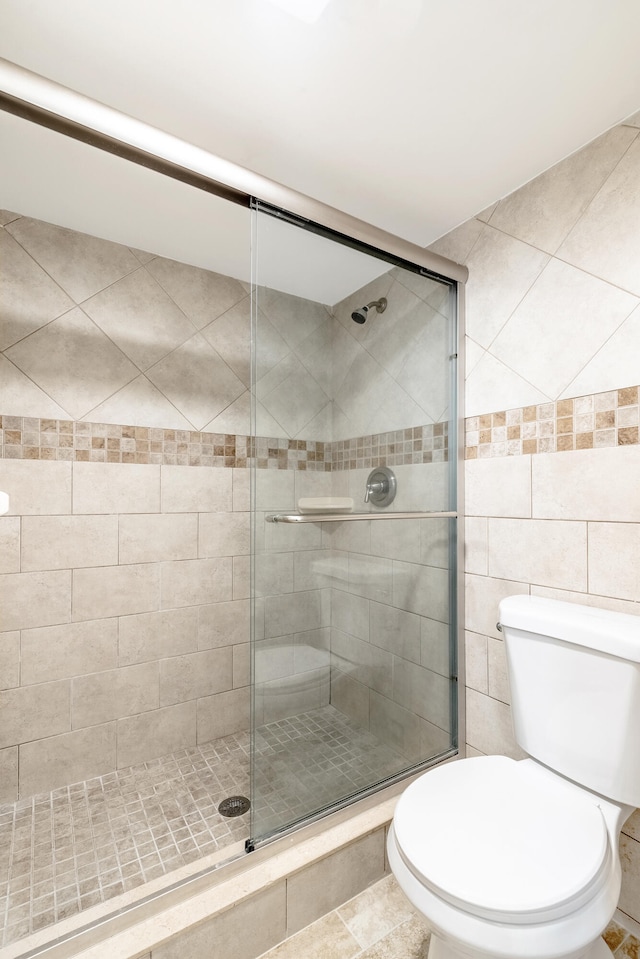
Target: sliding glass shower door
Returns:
[[354, 529]]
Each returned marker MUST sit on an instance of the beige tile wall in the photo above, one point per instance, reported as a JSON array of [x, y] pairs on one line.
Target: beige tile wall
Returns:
[[127, 568], [124, 623], [553, 340]]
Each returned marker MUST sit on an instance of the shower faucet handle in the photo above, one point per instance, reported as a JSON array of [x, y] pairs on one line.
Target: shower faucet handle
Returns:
[[381, 486], [377, 488]]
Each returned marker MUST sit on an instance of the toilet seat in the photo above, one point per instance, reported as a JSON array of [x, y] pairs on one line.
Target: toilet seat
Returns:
[[503, 840]]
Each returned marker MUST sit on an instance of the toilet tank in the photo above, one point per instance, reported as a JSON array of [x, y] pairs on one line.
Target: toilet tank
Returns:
[[574, 673]]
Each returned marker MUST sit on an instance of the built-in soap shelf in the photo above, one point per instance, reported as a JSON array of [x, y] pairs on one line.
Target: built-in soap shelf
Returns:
[[325, 504]]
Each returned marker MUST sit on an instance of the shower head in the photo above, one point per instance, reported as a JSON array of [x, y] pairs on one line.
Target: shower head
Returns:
[[360, 316]]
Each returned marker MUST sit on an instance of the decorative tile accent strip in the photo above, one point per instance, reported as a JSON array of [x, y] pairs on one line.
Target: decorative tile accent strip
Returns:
[[419, 444], [285, 454], [43, 439], [583, 423]]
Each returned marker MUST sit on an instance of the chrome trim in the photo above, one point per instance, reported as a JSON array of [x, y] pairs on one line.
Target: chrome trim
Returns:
[[350, 517], [460, 544], [34, 98]]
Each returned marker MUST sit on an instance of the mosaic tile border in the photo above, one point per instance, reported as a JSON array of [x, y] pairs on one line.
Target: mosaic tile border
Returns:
[[586, 422], [55, 440], [58, 440], [592, 421], [419, 444]]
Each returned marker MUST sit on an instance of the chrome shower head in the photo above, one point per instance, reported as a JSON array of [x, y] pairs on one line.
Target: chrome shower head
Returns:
[[360, 316]]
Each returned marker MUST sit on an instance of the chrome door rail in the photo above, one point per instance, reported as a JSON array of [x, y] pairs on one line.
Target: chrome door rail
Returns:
[[351, 517], [52, 105]]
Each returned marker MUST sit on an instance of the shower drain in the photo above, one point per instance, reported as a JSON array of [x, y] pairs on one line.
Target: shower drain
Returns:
[[234, 806]]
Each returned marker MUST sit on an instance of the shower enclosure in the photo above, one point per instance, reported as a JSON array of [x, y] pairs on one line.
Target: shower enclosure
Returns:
[[353, 613], [230, 564]]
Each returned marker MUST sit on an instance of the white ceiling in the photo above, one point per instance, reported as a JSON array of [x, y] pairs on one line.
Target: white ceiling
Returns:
[[409, 114]]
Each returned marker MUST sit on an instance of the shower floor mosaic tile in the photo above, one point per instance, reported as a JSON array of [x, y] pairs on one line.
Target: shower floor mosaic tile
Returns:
[[65, 851], [313, 760], [73, 848]]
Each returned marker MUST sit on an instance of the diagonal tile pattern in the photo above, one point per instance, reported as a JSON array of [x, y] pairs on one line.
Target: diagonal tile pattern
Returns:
[[74, 342], [123, 336], [566, 248], [140, 318], [28, 297], [82, 265]]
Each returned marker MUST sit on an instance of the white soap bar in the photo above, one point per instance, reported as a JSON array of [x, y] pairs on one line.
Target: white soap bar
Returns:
[[4, 503], [325, 504]]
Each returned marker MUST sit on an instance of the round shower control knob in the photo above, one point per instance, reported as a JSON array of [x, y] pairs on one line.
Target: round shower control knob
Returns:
[[381, 486]]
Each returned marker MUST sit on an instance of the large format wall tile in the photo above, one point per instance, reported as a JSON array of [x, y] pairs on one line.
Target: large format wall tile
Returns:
[[50, 763], [191, 489], [28, 296], [543, 211], [541, 552], [59, 652], [115, 488], [140, 318], [195, 675], [606, 240], [570, 314], [197, 381], [36, 488], [139, 403], [489, 306], [200, 294], [8, 774], [115, 591], [99, 698], [156, 733], [194, 582], [614, 365], [152, 636], [599, 484], [33, 712], [154, 538], [81, 264], [36, 599], [9, 544], [20, 395], [73, 343], [10, 659], [614, 560], [66, 542]]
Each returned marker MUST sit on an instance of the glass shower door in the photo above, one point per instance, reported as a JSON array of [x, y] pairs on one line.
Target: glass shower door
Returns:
[[353, 589]]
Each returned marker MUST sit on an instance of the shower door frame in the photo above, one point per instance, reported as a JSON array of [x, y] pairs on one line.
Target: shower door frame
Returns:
[[55, 107], [455, 481]]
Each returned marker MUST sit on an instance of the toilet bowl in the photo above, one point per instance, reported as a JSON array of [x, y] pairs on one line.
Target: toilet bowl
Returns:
[[518, 859], [506, 859]]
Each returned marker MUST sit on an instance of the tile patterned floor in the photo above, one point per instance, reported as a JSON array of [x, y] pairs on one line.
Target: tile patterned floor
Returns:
[[313, 760], [65, 851], [380, 923], [76, 847]]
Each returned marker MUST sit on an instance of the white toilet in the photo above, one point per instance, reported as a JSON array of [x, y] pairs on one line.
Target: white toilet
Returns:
[[519, 859]]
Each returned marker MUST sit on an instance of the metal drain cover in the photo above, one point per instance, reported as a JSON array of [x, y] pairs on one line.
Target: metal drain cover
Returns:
[[234, 806]]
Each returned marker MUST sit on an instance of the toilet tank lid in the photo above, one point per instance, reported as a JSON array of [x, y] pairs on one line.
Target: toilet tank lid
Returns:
[[617, 634]]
